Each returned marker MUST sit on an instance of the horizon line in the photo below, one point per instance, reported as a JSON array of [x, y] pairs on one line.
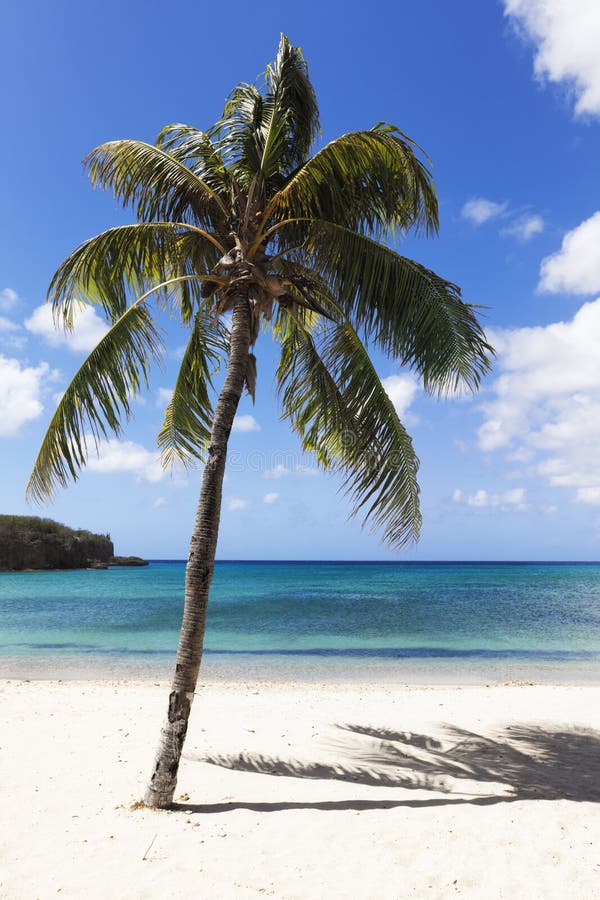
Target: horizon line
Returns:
[[401, 562]]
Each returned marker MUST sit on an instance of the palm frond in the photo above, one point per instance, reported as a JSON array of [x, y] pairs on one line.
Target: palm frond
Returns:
[[369, 181], [97, 399], [335, 401], [109, 268], [272, 140], [295, 105], [185, 432], [405, 308], [265, 132], [237, 133], [195, 150], [156, 184]]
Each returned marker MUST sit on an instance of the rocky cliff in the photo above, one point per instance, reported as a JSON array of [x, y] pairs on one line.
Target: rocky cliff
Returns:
[[28, 542]]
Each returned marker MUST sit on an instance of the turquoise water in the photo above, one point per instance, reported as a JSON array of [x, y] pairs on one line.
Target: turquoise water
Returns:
[[314, 620]]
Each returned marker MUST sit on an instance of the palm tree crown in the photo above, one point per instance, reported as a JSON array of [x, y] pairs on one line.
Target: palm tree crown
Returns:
[[243, 209]]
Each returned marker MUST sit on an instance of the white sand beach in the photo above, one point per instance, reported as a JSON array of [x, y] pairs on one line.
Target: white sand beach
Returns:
[[314, 791]]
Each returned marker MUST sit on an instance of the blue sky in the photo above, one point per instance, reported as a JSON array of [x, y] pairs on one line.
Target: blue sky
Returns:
[[505, 98]]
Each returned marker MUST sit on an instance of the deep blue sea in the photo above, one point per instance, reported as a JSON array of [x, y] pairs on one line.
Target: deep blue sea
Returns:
[[413, 622]]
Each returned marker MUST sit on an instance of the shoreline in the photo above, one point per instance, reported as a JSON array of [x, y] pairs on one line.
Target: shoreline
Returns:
[[305, 670]]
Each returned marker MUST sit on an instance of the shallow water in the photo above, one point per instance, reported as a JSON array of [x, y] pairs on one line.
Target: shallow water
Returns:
[[317, 621]]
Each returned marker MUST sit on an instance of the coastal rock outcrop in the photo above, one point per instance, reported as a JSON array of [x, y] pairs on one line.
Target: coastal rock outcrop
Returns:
[[29, 542], [127, 561]]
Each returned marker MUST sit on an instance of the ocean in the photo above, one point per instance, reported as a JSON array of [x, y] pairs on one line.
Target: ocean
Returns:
[[315, 621]]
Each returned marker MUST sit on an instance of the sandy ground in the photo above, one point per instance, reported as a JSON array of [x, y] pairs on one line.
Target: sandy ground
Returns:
[[303, 791]]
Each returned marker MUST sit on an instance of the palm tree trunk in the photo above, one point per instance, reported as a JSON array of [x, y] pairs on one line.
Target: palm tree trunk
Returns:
[[199, 572]]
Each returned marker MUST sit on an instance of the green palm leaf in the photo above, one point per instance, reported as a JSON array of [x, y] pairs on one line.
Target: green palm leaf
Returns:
[[265, 134], [130, 259], [195, 150], [369, 181], [237, 133], [295, 106], [406, 309], [185, 433], [334, 399], [97, 399], [158, 185]]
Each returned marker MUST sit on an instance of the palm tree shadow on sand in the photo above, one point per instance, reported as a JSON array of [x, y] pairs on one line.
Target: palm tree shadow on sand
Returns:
[[523, 762]]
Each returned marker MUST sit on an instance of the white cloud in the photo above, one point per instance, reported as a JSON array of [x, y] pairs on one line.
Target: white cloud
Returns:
[[513, 499], [163, 397], [566, 36], [89, 329], [401, 389], [521, 455], [10, 335], [575, 269], [271, 498], [20, 394], [479, 210], [245, 423], [588, 495], [277, 472], [7, 325], [8, 299], [115, 456], [160, 501], [523, 228], [281, 471], [545, 410], [236, 503]]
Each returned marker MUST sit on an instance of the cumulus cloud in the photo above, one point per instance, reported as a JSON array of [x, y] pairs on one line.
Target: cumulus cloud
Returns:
[[245, 423], [513, 499], [115, 456], [402, 390], [271, 498], [8, 299], [236, 503], [20, 394], [545, 409], [479, 210], [566, 37], [525, 227], [89, 329], [575, 268]]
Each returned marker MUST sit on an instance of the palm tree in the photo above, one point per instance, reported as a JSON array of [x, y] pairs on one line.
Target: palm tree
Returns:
[[241, 219]]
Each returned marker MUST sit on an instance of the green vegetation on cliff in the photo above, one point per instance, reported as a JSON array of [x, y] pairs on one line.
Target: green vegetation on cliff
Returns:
[[29, 542], [22, 524]]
